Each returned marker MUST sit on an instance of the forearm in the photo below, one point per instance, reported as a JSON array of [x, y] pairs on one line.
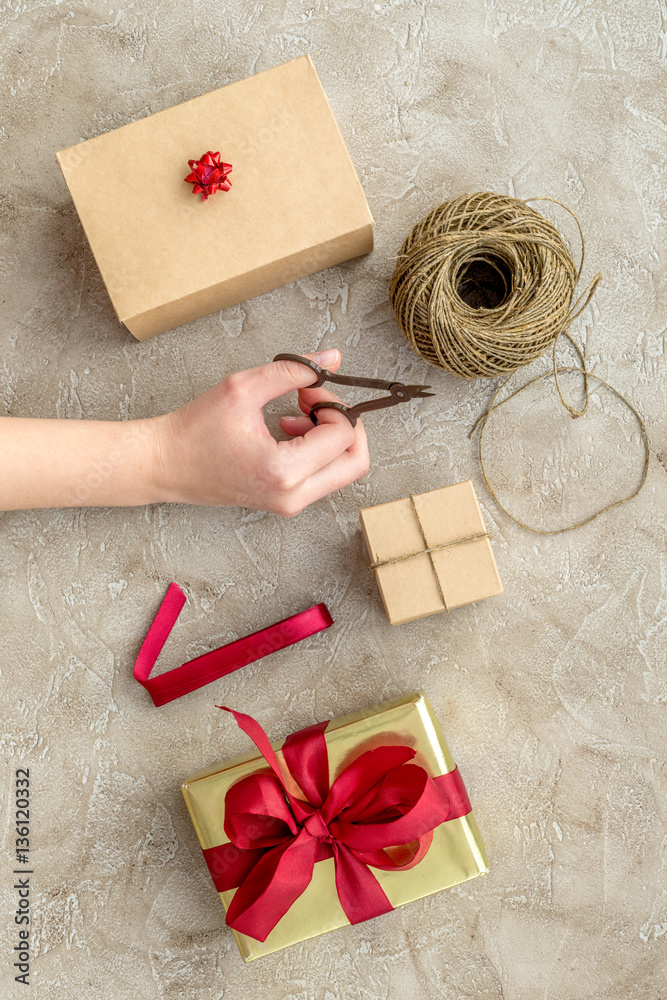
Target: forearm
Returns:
[[215, 450], [77, 463]]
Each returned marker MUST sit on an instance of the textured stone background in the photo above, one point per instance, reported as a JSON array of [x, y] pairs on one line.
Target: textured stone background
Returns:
[[553, 696]]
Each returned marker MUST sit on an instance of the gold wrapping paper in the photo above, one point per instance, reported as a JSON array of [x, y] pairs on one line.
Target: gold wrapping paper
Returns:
[[461, 572], [456, 853]]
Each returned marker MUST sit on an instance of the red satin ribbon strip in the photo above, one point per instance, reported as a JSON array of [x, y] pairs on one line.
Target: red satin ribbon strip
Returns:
[[209, 667], [380, 812]]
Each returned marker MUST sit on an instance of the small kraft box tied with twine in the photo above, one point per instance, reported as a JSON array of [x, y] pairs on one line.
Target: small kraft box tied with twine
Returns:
[[213, 201], [430, 552], [339, 823]]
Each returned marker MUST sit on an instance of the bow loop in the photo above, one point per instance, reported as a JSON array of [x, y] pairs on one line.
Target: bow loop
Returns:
[[305, 753], [413, 796], [257, 813], [356, 785]]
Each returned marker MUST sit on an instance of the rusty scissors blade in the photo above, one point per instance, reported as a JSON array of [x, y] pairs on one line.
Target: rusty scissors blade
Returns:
[[398, 391]]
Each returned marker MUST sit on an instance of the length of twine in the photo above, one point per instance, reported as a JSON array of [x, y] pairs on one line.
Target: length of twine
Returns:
[[576, 311], [473, 343], [483, 421]]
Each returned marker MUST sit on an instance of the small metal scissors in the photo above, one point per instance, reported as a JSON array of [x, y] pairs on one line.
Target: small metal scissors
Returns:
[[400, 393]]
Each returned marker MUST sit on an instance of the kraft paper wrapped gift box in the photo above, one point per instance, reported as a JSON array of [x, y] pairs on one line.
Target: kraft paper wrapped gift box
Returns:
[[456, 852], [430, 552], [295, 207]]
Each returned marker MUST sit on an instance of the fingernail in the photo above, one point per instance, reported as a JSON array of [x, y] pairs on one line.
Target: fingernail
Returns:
[[289, 419], [324, 358]]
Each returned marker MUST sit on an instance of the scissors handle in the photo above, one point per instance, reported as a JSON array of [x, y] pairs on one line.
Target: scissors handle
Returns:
[[341, 407], [324, 375]]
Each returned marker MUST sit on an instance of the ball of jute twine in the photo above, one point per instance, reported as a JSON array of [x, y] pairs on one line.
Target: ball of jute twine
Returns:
[[483, 285], [485, 248]]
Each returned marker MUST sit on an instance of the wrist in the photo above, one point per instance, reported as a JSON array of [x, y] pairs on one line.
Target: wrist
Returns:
[[120, 468], [163, 463]]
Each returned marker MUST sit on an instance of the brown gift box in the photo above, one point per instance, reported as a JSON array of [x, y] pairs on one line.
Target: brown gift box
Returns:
[[295, 207], [430, 552]]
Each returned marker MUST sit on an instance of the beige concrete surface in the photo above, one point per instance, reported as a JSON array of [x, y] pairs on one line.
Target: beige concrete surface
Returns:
[[553, 696]]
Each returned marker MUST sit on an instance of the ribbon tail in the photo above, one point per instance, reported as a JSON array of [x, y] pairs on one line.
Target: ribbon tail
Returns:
[[361, 895], [313, 751], [273, 885], [253, 729]]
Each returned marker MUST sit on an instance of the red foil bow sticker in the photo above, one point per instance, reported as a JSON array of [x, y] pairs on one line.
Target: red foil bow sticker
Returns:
[[209, 174], [380, 812]]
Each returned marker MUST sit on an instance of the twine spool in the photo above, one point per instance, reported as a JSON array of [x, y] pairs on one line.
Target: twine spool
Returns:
[[483, 285]]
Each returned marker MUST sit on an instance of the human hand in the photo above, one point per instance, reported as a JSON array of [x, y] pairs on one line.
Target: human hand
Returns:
[[217, 450]]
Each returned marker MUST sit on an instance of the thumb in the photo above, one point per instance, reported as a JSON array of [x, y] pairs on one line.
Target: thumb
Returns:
[[275, 379]]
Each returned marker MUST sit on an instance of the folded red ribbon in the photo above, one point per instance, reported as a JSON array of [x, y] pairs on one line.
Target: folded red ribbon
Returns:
[[379, 812], [203, 669]]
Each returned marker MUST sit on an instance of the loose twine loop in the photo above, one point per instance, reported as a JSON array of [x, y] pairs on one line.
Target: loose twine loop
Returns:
[[484, 285]]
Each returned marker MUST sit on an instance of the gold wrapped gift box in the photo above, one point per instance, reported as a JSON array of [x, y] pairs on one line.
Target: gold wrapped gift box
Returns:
[[456, 853], [430, 552]]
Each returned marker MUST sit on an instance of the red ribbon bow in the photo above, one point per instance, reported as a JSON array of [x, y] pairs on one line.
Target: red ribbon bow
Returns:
[[380, 811], [209, 175]]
